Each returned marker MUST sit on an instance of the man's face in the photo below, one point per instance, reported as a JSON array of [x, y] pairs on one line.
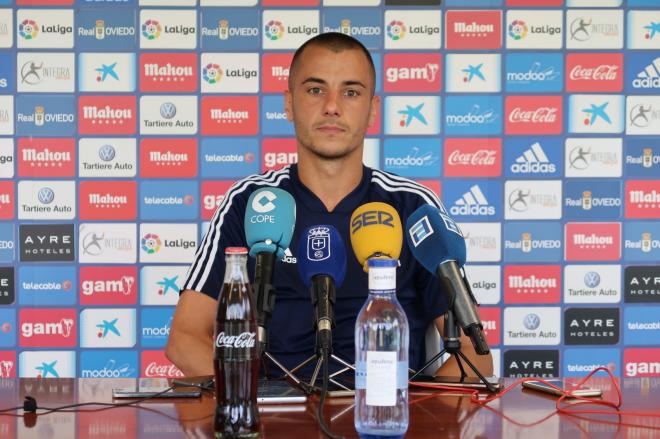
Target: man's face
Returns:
[[330, 101]]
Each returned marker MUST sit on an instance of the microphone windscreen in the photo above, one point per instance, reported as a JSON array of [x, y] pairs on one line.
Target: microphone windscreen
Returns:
[[270, 217], [376, 232], [434, 238], [321, 251]]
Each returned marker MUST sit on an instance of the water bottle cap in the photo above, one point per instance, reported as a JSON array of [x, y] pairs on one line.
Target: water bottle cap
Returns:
[[382, 263], [236, 251]]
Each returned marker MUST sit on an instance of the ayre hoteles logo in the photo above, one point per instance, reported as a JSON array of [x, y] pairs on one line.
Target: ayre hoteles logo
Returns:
[[412, 72], [168, 158], [594, 29], [108, 328], [45, 72], [46, 199], [107, 157], [591, 326], [287, 29], [166, 29], [168, 115], [46, 157], [107, 200], [46, 242], [47, 327], [528, 29], [168, 72], [532, 284], [44, 28], [592, 241], [406, 29], [594, 72], [7, 286], [473, 30], [525, 363], [108, 285], [642, 199], [107, 243], [642, 284], [107, 115], [231, 115], [592, 283], [593, 157], [531, 326]]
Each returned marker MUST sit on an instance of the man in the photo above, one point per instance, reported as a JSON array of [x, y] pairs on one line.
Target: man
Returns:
[[331, 102]]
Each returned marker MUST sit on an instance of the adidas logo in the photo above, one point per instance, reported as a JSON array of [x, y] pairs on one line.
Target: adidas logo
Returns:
[[473, 202], [288, 257], [649, 77], [533, 160]]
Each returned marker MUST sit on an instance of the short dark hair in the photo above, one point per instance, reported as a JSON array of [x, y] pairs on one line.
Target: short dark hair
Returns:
[[336, 42]]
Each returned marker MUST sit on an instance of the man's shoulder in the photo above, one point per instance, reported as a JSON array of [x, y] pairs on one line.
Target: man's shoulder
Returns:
[[403, 193], [241, 190]]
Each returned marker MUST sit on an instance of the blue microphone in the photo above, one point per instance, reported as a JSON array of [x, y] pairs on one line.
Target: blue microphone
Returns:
[[270, 217], [438, 244], [322, 266]]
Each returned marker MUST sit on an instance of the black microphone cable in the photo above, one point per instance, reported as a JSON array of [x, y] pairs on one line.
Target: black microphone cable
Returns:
[[325, 358]]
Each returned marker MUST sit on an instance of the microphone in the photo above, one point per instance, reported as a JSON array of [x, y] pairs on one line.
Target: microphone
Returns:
[[270, 217], [322, 266], [438, 244], [376, 232]]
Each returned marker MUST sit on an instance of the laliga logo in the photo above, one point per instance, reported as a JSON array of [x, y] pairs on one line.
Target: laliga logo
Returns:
[[518, 30], [151, 243], [212, 73], [396, 30], [318, 244], [28, 29], [151, 29], [274, 30]]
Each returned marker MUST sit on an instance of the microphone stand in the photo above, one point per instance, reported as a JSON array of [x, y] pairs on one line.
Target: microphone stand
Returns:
[[452, 345]]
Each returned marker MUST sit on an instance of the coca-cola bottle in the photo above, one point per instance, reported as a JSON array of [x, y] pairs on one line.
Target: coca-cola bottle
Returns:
[[236, 357]]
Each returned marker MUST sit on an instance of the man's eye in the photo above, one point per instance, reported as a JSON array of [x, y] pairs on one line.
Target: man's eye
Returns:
[[314, 91], [352, 93]]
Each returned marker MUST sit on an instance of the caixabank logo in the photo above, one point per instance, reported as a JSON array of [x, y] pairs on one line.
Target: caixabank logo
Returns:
[[592, 200], [44, 28], [238, 30], [528, 29], [173, 201], [473, 30], [230, 72], [533, 157], [106, 72], [641, 241], [46, 157], [524, 363], [40, 72], [108, 328], [596, 114], [107, 157], [532, 284], [111, 364], [160, 285], [473, 157], [168, 72], [7, 200], [593, 157], [155, 326], [47, 364], [48, 327], [168, 158], [641, 363], [591, 326], [473, 73], [643, 29], [641, 325], [412, 72], [287, 29], [229, 158], [535, 72], [592, 283], [107, 243], [407, 29], [213, 194], [592, 241], [642, 73], [112, 115], [483, 241], [473, 115], [533, 242], [362, 24], [418, 158], [46, 200], [594, 29], [107, 200], [594, 72], [43, 285], [49, 115], [166, 29], [167, 242], [642, 284], [103, 29], [46, 242], [642, 199], [412, 115], [7, 286], [168, 115], [108, 285], [230, 116], [475, 199]]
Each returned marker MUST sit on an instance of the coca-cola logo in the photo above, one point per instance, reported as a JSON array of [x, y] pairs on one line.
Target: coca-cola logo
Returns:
[[244, 340], [539, 115], [482, 157], [155, 370], [603, 72]]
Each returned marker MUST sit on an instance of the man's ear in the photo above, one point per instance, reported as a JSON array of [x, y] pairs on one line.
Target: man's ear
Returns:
[[288, 105], [373, 111]]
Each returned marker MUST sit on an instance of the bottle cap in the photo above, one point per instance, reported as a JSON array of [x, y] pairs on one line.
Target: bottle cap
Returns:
[[236, 251], [382, 274]]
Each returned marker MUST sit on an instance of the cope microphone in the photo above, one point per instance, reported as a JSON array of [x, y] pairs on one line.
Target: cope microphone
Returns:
[[270, 217], [438, 244], [322, 266], [376, 232]]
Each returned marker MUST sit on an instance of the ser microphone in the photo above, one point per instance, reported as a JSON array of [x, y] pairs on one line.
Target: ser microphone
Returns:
[[438, 244], [376, 232], [322, 266], [270, 217]]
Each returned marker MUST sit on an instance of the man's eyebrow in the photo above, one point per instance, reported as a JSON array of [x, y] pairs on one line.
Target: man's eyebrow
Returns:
[[322, 81]]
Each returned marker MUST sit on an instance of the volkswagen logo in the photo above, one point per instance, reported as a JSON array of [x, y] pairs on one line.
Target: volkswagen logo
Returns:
[[592, 279], [46, 195], [532, 321], [107, 153], [167, 110]]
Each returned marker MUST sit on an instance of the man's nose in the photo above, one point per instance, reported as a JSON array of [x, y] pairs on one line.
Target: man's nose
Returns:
[[331, 106]]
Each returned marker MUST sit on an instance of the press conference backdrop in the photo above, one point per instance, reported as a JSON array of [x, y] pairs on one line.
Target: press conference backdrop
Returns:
[[123, 123]]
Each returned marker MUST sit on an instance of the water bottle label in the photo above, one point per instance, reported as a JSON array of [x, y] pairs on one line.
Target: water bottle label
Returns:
[[382, 278], [361, 375], [381, 378]]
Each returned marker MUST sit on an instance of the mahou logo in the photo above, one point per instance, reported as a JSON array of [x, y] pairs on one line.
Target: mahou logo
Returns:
[[532, 284], [114, 115], [108, 285], [594, 72], [108, 200], [593, 241], [412, 72], [48, 328], [277, 153], [7, 197], [7, 366], [213, 194], [46, 157], [643, 199], [473, 30], [230, 115], [154, 364], [533, 115], [473, 157], [275, 72], [168, 158], [641, 363], [491, 319], [168, 72]]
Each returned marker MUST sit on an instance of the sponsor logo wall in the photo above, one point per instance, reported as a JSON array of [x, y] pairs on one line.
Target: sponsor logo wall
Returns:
[[124, 123]]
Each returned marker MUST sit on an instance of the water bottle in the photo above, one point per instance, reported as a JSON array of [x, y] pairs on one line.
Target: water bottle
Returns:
[[381, 357]]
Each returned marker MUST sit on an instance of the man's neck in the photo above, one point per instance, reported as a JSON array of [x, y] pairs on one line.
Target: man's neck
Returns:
[[330, 180]]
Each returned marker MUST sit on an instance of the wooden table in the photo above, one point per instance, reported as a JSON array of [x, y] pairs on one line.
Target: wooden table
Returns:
[[432, 415]]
